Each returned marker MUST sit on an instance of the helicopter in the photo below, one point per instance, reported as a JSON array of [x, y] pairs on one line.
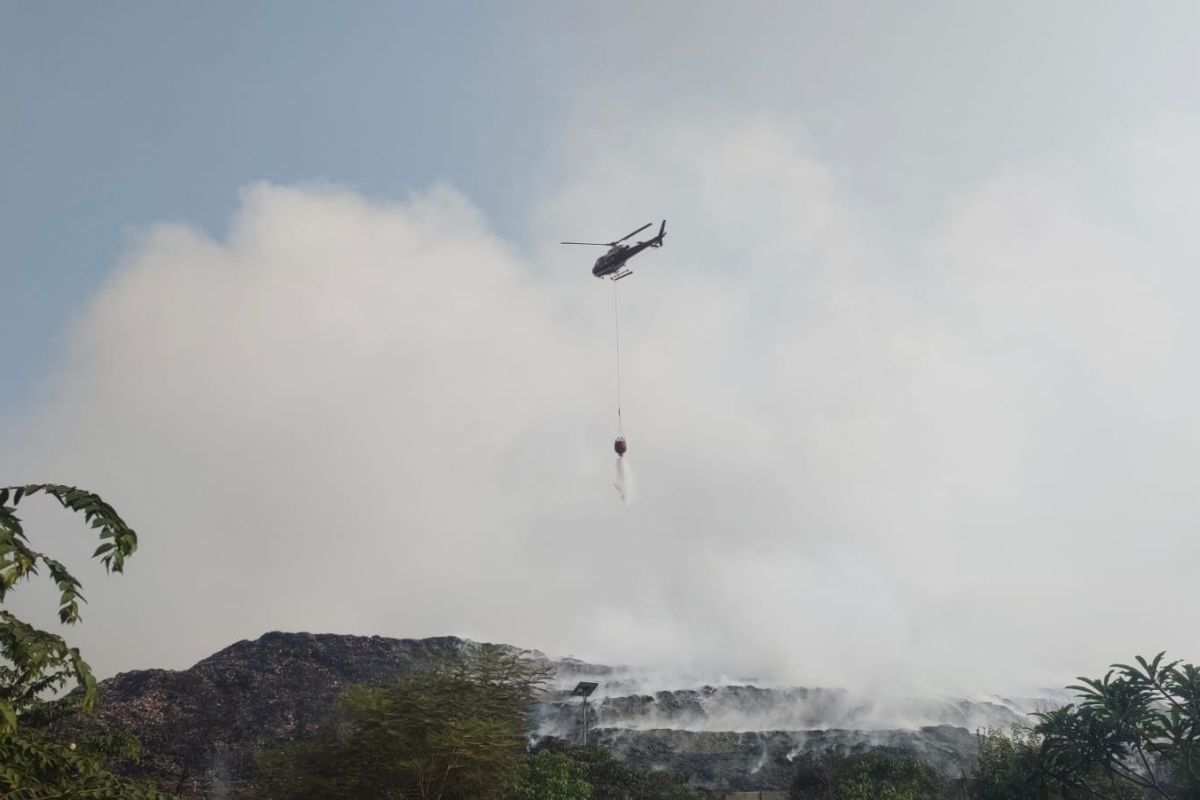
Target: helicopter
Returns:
[[612, 264]]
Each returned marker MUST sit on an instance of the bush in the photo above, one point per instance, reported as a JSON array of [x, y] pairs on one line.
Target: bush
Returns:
[[1138, 726], [612, 780], [1016, 766], [35, 662], [1008, 767], [553, 776], [874, 775], [455, 732]]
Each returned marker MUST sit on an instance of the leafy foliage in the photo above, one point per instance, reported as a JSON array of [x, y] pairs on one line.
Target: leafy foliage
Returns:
[[33, 767], [612, 780], [1008, 767], [1138, 725], [457, 731], [33, 661], [454, 732], [1135, 733], [874, 775], [1013, 766], [553, 776]]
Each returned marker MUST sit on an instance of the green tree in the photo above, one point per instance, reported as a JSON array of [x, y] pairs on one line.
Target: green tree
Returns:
[[35, 767], [553, 776], [874, 775], [456, 731], [886, 776], [1013, 766], [1008, 767], [34, 662], [610, 779], [1139, 726]]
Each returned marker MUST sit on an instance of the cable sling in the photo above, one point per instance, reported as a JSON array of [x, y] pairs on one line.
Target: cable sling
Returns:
[[617, 331]]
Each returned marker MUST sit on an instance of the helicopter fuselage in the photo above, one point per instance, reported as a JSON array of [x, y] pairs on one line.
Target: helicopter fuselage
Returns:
[[614, 260], [612, 263]]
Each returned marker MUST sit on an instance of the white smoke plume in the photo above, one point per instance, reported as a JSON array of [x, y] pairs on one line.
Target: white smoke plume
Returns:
[[924, 463]]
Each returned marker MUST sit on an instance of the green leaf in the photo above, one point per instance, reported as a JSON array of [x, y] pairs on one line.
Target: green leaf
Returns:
[[34, 662], [8, 717]]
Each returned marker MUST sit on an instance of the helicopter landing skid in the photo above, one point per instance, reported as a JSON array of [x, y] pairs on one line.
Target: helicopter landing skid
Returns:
[[621, 275]]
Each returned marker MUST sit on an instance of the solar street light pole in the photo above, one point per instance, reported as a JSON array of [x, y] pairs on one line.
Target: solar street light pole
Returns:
[[584, 690]]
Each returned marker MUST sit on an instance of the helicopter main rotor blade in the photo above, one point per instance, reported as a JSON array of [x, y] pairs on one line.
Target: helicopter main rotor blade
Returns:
[[597, 244], [635, 233]]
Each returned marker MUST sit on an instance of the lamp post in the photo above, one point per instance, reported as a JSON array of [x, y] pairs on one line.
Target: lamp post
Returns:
[[584, 690]]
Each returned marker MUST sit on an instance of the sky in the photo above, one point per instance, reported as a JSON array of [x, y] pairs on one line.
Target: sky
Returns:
[[907, 391]]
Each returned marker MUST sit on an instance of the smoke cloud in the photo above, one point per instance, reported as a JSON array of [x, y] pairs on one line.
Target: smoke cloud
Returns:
[[964, 459]]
